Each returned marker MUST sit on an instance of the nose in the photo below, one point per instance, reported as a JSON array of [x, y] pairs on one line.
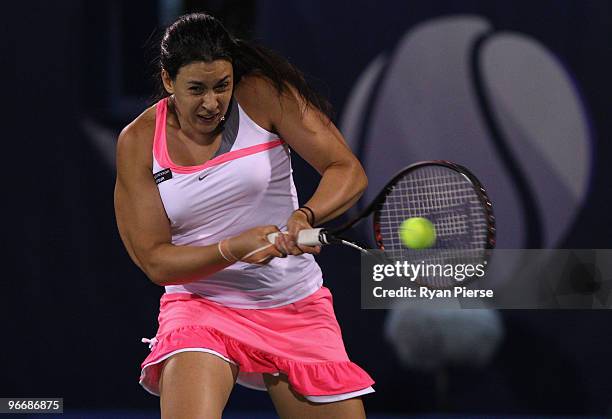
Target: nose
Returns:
[[209, 103]]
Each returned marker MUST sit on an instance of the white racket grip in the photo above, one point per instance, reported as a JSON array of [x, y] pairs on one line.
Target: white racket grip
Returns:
[[307, 237]]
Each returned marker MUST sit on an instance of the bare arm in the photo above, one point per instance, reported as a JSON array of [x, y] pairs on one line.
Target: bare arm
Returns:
[[145, 229], [343, 179], [317, 140]]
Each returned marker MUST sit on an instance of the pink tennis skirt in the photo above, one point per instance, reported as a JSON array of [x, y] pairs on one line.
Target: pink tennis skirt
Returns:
[[301, 340]]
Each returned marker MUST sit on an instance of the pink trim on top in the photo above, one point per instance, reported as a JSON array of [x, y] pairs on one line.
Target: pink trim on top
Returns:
[[160, 148]]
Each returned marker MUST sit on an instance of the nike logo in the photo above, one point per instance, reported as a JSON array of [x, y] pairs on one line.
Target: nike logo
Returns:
[[201, 177]]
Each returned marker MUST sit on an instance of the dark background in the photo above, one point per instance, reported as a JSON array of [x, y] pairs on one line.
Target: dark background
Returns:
[[74, 305]]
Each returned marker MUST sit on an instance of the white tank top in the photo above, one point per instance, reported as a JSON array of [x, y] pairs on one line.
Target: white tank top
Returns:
[[248, 183]]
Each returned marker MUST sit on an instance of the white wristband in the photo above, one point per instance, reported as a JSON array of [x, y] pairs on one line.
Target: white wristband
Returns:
[[234, 258], [255, 251]]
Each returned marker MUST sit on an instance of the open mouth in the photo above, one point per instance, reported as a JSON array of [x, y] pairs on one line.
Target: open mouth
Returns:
[[208, 119]]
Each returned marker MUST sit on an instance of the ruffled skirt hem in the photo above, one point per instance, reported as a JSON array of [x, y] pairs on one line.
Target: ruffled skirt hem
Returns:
[[318, 381]]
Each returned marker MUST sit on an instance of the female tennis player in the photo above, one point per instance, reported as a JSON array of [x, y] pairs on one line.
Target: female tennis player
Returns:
[[203, 177]]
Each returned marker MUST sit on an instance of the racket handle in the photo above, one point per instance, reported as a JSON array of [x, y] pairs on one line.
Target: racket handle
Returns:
[[307, 237]]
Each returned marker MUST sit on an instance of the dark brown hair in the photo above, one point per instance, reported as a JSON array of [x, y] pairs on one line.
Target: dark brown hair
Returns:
[[201, 37]]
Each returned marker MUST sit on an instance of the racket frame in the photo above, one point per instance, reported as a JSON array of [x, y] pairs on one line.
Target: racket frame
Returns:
[[376, 205]]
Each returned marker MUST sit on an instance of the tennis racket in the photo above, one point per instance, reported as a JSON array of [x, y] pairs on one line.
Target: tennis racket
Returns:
[[445, 193]]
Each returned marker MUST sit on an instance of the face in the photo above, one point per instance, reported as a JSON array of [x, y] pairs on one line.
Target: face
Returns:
[[202, 93]]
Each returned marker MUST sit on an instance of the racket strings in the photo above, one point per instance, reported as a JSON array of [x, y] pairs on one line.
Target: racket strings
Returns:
[[448, 199]]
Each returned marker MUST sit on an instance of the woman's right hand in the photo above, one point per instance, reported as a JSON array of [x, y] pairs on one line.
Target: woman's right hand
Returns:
[[243, 245]]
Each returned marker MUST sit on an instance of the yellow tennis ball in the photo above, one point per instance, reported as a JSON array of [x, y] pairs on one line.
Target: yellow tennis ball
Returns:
[[417, 233]]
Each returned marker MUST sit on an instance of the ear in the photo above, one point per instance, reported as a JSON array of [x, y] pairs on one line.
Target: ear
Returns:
[[167, 80]]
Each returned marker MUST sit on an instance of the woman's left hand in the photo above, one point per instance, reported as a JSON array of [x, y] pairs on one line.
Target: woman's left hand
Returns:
[[288, 242]]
